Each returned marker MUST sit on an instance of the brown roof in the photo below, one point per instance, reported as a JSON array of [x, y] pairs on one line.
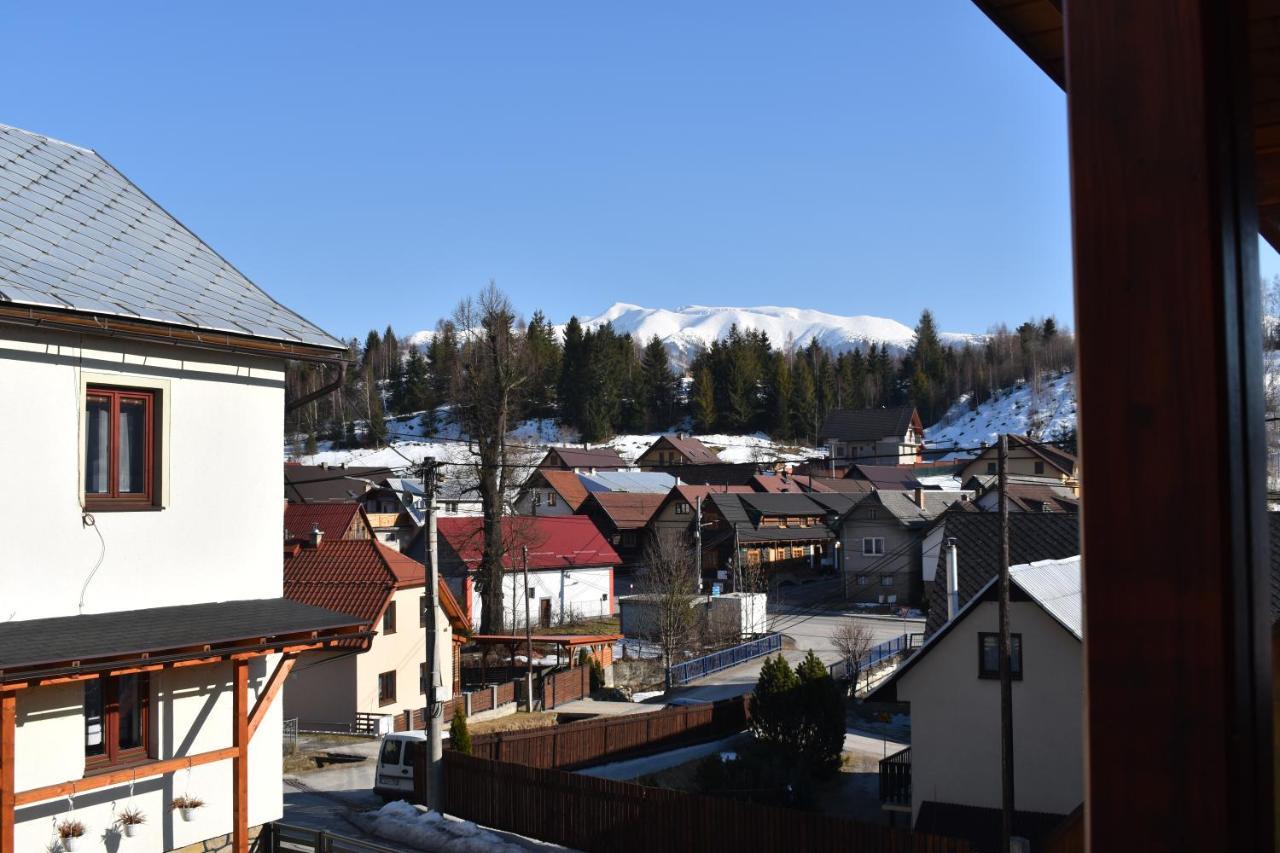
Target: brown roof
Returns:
[[627, 510], [357, 576], [601, 458], [835, 485], [334, 519], [567, 484], [328, 483], [691, 448]]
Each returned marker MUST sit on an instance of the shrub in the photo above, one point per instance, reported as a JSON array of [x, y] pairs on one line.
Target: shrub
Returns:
[[774, 709], [459, 737]]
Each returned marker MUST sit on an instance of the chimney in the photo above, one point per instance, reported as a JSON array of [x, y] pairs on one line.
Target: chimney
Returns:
[[920, 497], [317, 536], [953, 580]]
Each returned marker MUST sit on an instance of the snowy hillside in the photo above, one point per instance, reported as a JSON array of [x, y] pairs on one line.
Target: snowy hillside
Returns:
[[1048, 413], [688, 330]]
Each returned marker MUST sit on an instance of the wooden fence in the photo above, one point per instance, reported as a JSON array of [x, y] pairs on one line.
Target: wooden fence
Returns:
[[587, 742], [600, 814]]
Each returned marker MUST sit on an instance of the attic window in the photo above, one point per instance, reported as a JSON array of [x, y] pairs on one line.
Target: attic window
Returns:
[[119, 448], [682, 508], [989, 656], [1039, 467]]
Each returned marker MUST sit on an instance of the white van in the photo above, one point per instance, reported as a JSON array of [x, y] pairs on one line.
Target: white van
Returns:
[[394, 779]]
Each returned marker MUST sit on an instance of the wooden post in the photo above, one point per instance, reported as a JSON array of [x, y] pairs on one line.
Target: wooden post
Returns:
[[240, 762], [1169, 322], [1006, 656], [8, 734]]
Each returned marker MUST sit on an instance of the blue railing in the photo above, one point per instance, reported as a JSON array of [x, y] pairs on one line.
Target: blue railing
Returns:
[[877, 654], [683, 673]]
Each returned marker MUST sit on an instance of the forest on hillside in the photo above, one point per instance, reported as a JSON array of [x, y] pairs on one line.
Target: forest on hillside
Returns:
[[602, 383]]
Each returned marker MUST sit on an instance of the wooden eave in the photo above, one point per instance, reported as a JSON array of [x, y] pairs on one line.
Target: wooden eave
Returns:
[[1036, 26]]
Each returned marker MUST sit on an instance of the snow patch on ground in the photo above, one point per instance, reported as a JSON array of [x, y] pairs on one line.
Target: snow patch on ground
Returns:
[[1046, 413], [427, 830]]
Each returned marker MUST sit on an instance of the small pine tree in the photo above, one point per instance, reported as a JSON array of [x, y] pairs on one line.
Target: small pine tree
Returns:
[[312, 447], [459, 737], [822, 715], [773, 704]]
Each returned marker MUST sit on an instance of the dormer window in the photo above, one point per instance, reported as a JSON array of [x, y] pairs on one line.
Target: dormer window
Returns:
[[119, 448]]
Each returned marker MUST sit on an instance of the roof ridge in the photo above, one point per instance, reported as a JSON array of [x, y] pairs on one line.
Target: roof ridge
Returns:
[[48, 138]]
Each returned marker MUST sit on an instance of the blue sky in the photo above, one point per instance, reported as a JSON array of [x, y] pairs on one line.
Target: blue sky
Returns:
[[371, 163]]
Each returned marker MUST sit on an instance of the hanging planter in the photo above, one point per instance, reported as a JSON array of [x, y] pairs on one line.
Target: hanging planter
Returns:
[[131, 821], [69, 832], [186, 805]]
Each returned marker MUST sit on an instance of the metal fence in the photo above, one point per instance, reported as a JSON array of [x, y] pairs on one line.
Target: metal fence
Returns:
[[683, 673], [878, 654], [287, 838], [289, 735]]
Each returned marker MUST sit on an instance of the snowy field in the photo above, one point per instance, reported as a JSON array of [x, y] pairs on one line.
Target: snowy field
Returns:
[[1046, 414]]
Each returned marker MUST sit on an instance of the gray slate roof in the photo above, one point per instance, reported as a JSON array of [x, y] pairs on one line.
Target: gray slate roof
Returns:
[[902, 504], [43, 642], [1032, 537], [77, 235], [866, 424]]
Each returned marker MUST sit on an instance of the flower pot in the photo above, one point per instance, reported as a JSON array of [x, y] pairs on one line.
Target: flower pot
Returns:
[[188, 815], [71, 843], [131, 829]]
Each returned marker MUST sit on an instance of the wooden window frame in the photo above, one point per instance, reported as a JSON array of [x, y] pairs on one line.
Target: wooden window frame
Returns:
[[385, 697], [389, 619], [551, 498], [1015, 656], [682, 508], [873, 552], [114, 500], [113, 756]]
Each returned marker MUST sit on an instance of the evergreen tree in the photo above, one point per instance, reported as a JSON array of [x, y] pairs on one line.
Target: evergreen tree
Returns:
[[376, 431], [442, 361], [659, 386], [311, 448], [459, 736], [572, 375], [702, 402], [804, 401], [416, 392], [544, 366], [822, 715], [774, 711], [780, 398]]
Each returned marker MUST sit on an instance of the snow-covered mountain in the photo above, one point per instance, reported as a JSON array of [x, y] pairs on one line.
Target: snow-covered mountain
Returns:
[[686, 331], [1044, 413]]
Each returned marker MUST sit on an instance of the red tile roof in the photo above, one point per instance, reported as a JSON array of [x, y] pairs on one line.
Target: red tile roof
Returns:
[[333, 519], [357, 576], [554, 542], [628, 510]]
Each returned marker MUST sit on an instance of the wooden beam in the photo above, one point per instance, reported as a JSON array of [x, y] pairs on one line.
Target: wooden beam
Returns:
[[269, 692], [119, 777], [8, 735], [240, 763], [1169, 336]]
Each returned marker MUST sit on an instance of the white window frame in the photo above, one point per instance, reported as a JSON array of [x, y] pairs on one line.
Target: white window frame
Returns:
[[877, 542]]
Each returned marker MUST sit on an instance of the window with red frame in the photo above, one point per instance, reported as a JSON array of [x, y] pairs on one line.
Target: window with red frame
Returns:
[[116, 720], [119, 448]]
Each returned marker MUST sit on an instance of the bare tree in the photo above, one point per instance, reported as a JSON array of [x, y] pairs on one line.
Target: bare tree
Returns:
[[852, 640], [670, 581], [489, 377]]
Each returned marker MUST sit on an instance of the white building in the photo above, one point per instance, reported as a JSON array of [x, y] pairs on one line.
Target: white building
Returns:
[[570, 568], [952, 685], [143, 635]]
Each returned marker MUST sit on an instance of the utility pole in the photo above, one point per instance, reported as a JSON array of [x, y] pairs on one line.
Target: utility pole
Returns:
[[528, 636], [435, 708], [1006, 655], [697, 539]]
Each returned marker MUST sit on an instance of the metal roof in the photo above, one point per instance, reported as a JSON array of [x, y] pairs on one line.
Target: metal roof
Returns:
[[642, 482], [77, 235], [1055, 586]]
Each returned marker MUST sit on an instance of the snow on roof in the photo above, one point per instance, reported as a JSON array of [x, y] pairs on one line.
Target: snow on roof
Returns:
[[77, 235], [643, 482], [1055, 585]]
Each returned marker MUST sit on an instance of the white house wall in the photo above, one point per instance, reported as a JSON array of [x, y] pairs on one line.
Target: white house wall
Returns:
[[955, 717], [574, 593], [404, 652], [191, 712], [218, 536]]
